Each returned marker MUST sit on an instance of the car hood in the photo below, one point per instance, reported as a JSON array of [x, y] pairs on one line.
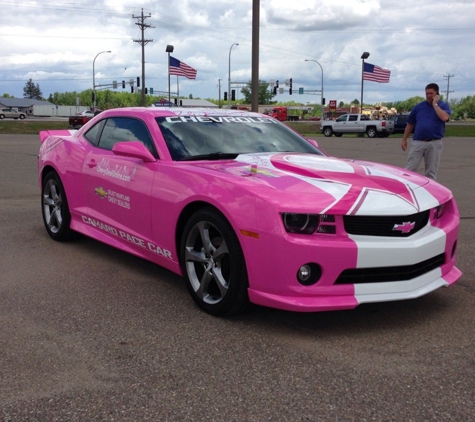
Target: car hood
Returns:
[[328, 184]]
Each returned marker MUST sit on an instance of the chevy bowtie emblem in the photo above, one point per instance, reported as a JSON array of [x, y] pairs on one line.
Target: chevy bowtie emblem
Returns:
[[405, 227]]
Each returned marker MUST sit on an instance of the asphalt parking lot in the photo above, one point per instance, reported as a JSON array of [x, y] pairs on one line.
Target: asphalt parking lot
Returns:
[[88, 333]]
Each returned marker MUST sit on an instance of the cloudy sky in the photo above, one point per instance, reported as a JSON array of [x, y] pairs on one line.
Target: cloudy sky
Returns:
[[420, 41]]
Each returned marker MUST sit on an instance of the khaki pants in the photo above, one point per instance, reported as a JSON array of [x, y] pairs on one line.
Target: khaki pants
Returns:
[[429, 151]]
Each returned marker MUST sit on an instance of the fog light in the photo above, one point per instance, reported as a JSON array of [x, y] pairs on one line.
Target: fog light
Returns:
[[304, 272], [309, 274]]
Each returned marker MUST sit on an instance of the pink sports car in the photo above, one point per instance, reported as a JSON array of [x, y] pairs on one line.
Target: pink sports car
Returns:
[[247, 210]]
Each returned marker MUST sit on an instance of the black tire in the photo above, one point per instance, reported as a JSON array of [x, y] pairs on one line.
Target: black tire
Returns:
[[338, 135], [213, 264], [55, 209], [2, 116], [371, 132], [22, 116], [327, 131]]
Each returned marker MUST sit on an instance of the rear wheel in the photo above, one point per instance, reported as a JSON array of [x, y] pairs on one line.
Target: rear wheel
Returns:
[[213, 264], [22, 116], [328, 131], [55, 209], [371, 132]]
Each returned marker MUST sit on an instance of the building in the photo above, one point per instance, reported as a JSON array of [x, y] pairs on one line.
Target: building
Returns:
[[23, 104]]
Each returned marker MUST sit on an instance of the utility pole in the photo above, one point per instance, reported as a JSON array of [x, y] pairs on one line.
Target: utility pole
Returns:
[[448, 84], [142, 25], [219, 93]]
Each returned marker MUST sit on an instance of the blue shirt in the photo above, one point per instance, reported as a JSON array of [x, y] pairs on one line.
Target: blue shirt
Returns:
[[427, 123]]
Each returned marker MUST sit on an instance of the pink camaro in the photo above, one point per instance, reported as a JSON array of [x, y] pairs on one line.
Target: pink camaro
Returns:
[[248, 210]]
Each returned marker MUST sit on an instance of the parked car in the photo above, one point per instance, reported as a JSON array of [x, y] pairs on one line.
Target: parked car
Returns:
[[247, 210], [400, 121], [11, 113]]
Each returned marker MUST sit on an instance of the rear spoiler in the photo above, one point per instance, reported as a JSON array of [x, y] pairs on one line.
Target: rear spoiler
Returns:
[[45, 134]]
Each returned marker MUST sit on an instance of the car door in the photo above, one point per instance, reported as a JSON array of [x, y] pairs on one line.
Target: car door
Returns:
[[340, 125], [354, 124], [117, 188]]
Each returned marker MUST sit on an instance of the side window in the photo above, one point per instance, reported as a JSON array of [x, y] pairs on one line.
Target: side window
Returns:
[[124, 129], [94, 134], [353, 118], [341, 119]]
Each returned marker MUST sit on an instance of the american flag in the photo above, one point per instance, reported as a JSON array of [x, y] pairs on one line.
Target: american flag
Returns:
[[181, 69], [375, 73]]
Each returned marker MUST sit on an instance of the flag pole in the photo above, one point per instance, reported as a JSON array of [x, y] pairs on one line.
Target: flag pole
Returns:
[[364, 56], [169, 50]]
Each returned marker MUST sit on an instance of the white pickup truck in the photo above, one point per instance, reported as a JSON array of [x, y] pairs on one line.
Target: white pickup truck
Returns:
[[357, 123]]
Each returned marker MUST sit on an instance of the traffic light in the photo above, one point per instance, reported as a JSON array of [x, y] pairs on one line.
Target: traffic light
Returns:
[[138, 82], [151, 90], [275, 90], [146, 91], [233, 95], [123, 84], [132, 89], [277, 84], [225, 96], [323, 101], [290, 86]]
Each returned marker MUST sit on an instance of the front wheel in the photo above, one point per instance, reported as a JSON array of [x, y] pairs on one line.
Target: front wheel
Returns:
[[55, 209], [2, 116], [328, 131], [213, 264], [22, 116], [371, 132]]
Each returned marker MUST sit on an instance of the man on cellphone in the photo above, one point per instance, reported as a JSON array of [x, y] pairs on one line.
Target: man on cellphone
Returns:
[[428, 121]]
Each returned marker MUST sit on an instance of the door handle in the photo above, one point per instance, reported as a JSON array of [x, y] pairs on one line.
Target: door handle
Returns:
[[91, 163]]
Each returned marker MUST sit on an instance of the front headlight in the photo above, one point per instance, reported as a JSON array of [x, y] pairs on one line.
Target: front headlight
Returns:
[[439, 211], [309, 223], [300, 223]]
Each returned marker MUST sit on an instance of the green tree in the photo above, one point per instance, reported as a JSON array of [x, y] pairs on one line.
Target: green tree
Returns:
[[265, 95], [32, 91]]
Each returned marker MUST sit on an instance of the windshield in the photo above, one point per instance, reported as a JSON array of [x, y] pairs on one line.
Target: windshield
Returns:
[[217, 137]]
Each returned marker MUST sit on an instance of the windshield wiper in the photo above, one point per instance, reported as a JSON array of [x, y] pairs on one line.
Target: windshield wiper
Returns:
[[212, 156]]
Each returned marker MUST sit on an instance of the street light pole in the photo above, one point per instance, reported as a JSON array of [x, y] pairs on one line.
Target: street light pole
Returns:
[[94, 78], [229, 75], [321, 102]]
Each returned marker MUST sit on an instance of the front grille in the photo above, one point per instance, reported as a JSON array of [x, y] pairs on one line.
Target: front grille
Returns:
[[383, 226], [387, 274]]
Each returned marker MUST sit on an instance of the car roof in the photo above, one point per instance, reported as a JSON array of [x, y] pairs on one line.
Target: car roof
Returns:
[[178, 111]]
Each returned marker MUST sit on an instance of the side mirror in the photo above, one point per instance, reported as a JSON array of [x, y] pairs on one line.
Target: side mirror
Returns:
[[133, 149], [313, 142]]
